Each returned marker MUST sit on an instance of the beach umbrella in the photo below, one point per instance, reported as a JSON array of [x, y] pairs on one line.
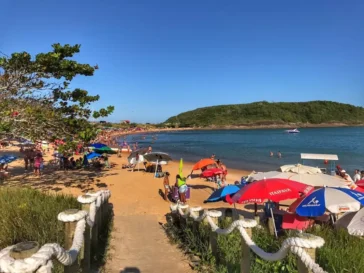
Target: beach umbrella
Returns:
[[7, 159], [334, 200], [203, 163], [98, 145], [140, 151], [133, 160], [299, 169], [360, 183], [211, 172], [220, 194], [92, 155], [316, 180], [353, 222], [157, 156], [274, 189], [105, 150], [180, 168]]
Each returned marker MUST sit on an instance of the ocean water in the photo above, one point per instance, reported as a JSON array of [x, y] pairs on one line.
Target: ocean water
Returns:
[[249, 149]]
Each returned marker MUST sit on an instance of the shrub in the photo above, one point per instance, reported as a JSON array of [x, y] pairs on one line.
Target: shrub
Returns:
[[29, 215], [342, 253]]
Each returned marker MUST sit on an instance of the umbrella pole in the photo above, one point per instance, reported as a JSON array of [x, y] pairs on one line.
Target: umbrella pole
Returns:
[[156, 167], [274, 223]]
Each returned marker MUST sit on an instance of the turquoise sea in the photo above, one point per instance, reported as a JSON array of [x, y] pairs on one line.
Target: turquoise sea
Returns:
[[249, 149]]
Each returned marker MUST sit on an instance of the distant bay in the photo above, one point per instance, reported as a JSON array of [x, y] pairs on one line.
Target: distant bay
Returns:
[[249, 149]]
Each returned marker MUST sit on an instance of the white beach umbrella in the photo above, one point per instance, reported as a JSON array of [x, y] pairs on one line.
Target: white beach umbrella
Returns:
[[353, 222], [300, 169], [134, 161], [316, 180]]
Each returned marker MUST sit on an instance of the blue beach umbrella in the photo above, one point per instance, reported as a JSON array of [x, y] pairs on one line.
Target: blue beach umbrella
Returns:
[[7, 159], [220, 194], [334, 200], [98, 145], [92, 155]]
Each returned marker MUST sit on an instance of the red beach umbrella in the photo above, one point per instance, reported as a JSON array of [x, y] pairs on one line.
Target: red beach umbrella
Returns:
[[211, 172], [360, 183], [275, 189]]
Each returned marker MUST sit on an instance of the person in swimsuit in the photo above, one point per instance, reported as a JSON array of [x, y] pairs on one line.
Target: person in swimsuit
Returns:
[[182, 188], [166, 186], [38, 161]]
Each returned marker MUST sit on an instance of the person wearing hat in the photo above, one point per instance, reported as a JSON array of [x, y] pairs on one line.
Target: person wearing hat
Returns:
[[347, 177], [166, 186]]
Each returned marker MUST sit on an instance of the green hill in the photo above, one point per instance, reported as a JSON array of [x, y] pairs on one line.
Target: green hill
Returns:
[[265, 113]]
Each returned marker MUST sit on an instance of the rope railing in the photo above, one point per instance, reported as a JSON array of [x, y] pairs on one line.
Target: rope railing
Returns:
[[78, 224], [298, 245]]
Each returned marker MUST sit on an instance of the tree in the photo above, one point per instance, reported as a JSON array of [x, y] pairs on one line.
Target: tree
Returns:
[[36, 100]]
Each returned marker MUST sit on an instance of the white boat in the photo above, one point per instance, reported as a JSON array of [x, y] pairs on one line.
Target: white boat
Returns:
[[293, 131]]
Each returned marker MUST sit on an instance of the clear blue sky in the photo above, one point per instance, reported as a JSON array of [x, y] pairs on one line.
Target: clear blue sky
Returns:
[[160, 58]]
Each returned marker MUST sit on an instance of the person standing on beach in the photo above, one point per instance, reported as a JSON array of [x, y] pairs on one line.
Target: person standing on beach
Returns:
[[38, 161], [222, 166], [166, 186], [182, 188], [356, 176]]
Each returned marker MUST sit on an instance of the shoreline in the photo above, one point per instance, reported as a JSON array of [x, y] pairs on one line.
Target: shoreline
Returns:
[[240, 127]]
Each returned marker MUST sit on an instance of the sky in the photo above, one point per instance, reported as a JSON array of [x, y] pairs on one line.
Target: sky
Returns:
[[160, 58]]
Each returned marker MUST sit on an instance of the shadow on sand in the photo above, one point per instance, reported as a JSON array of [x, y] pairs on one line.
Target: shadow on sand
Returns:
[[55, 180], [130, 270]]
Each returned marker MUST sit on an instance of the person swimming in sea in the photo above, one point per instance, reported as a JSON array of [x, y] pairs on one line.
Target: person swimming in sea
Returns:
[[279, 154], [271, 154]]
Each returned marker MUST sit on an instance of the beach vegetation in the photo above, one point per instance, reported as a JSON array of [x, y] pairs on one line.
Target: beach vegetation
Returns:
[[265, 113], [341, 253], [30, 215], [36, 97]]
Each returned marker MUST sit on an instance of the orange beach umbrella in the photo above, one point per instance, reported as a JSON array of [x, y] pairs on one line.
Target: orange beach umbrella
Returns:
[[203, 163]]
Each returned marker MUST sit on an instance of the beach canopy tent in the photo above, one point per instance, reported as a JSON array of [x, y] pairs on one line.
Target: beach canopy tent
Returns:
[[203, 163], [300, 169], [316, 180], [93, 155], [334, 200], [7, 159], [157, 157], [325, 158], [353, 222]]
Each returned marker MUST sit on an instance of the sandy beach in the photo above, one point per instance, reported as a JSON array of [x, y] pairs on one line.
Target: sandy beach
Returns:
[[136, 198]]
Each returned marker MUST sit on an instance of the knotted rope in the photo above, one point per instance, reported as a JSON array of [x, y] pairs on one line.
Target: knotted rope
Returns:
[[297, 245], [41, 262]]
